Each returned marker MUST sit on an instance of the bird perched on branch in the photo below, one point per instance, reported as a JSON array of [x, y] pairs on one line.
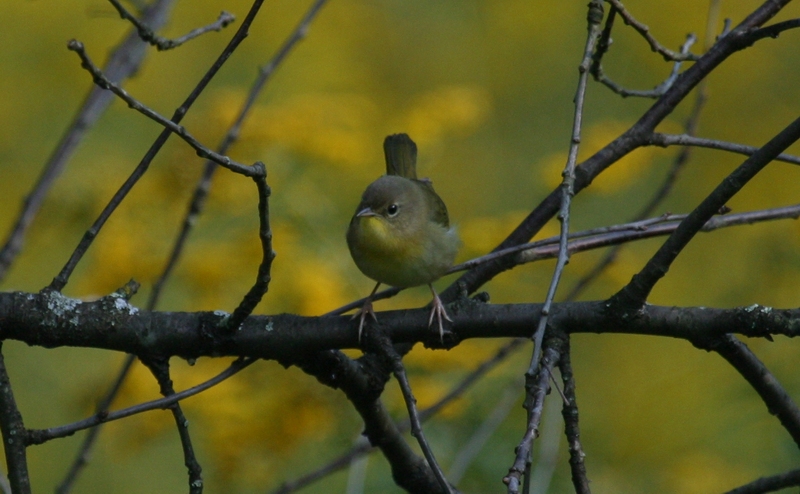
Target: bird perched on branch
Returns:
[[400, 234]]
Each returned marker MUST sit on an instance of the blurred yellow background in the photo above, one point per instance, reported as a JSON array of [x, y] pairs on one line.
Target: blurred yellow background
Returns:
[[485, 88]]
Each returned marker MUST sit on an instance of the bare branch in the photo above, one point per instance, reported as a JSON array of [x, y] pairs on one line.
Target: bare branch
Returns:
[[664, 140], [633, 138], [39, 436], [600, 76], [347, 457], [669, 55], [536, 387], [567, 187], [261, 285], [202, 151], [147, 34], [773, 31], [160, 369], [363, 382], [570, 413], [13, 434]]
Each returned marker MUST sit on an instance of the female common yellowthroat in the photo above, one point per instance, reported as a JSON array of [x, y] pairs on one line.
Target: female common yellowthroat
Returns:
[[400, 234]]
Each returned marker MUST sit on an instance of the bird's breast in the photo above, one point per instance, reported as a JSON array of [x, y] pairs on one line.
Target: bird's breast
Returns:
[[386, 254]]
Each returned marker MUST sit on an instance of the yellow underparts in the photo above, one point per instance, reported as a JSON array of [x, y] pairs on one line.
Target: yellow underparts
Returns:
[[384, 255]]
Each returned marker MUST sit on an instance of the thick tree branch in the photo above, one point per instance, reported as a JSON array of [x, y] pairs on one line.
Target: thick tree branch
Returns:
[[49, 319]]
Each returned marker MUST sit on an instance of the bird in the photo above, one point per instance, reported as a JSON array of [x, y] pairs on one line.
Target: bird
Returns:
[[400, 234]]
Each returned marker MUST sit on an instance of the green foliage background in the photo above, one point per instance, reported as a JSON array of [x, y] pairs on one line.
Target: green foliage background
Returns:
[[485, 88]]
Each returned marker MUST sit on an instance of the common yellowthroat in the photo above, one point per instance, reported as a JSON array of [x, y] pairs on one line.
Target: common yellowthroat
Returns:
[[400, 234]]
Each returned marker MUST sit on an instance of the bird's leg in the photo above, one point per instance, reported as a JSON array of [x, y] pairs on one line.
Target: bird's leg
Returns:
[[438, 311], [366, 309]]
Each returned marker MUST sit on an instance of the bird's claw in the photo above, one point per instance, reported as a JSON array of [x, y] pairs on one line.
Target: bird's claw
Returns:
[[362, 314], [439, 312]]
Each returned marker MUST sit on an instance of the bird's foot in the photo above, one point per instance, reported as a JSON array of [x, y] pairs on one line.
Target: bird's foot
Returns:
[[362, 314], [438, 311]]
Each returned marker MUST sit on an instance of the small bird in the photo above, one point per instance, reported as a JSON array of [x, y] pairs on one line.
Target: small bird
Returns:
[[400, 234]]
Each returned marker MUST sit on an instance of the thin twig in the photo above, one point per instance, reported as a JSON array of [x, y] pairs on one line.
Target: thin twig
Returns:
[[570, 413], [39, 436], [123, 62], [13, 431], [536, 387], [261, 285], [669, 55], [567, 192], [599, 75], [202, 151], [60, 281], [399, 371], [146, 33], [664, 140], [666, 228], [160, 369]]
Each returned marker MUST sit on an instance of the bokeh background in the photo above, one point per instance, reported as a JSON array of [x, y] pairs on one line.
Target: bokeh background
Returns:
[[485, 88]]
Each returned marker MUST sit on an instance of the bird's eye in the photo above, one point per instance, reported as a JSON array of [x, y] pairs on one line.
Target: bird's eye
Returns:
[[392, 210]]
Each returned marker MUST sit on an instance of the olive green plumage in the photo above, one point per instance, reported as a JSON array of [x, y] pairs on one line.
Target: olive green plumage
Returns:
[[400, 234]]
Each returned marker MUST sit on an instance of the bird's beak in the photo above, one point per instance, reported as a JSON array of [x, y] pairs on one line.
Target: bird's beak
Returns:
[[366, 212]]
